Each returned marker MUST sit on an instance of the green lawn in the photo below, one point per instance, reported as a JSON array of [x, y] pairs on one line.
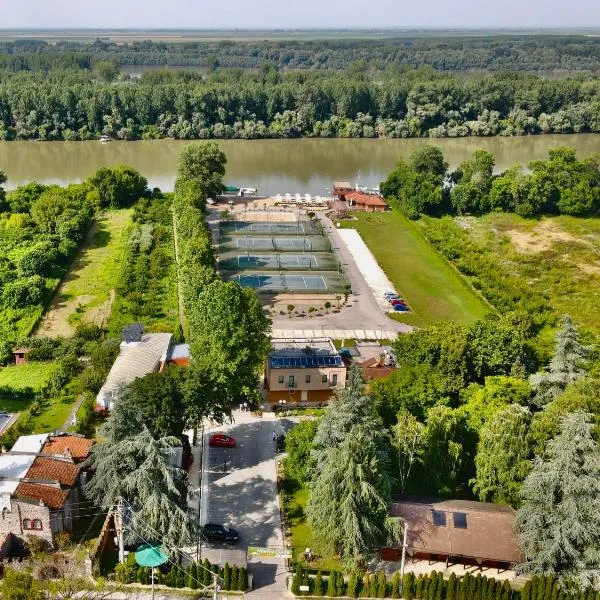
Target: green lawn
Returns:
[[54, 413], [302, 535], [32, 375], [432, 287], [86, 289]]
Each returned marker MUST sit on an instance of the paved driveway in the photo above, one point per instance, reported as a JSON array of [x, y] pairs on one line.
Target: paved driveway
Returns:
[[240, 490]]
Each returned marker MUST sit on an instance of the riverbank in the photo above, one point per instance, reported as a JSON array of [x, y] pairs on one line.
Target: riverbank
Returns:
[[306, 165]]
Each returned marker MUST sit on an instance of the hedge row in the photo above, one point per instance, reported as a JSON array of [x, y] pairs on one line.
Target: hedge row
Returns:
[[195, 576], [424, 587], [548, 588]]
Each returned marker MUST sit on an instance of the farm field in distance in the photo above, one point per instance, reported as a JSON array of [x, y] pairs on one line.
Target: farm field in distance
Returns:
[[87, 290], [432, 288], [559, 256]]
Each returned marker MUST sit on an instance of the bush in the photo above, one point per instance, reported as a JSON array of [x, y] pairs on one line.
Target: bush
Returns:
[[242, 579], [24, 292], [318, 587], [226, 577]]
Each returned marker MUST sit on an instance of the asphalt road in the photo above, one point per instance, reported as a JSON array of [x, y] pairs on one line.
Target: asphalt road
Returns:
[[239, 489]]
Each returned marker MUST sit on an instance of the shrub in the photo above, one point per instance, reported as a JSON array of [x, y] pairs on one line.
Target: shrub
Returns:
[[381, 584], [242, 579], [226, 577], [297, 581], [353, 586], [396, 585], [332, 584], [318, 585]]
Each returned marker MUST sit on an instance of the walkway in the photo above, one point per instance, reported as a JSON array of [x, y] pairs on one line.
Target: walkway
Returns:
[[71, 420]]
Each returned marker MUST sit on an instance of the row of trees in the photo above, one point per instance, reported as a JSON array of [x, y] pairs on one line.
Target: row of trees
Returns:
[[562, 184], [228, 337], [74, 105], [431, 586], [41, 229], [546, 53]]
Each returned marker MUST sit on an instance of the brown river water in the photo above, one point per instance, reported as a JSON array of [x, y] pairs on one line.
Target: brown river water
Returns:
[[271, 166]]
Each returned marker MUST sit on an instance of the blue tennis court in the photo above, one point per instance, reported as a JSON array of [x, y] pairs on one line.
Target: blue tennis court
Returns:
[[278, 261], [281, 281]]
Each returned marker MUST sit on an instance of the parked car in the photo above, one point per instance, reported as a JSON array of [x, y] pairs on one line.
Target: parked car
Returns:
[[221, 440], [388, 294], [219, 533], [401, 308], [395, 302]]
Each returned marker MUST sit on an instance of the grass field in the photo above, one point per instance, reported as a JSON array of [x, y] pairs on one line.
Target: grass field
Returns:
[[53, 414], [85, 292], [559, 256], [302, 535], [32, 375], [432, 287]]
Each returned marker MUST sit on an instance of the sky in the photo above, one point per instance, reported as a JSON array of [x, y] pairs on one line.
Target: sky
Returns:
[[200, 14]]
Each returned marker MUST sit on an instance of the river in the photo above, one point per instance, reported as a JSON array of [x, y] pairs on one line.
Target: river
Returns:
[[272, 166]]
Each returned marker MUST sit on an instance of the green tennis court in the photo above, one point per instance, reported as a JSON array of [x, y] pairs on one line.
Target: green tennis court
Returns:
[[282, 282], [323, 261], [314, 243], [262, 227]]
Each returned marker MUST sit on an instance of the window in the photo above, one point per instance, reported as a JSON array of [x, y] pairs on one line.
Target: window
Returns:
[[281, 379], [324, 379], [460, 520], [439, 518], [36, 524], [291, 381], [307, 379], [334, 379], [26, 523]]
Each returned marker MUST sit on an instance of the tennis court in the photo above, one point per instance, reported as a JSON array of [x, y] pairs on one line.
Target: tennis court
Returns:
[[282, 281], [321, 261], [315, 243], [262, 227]]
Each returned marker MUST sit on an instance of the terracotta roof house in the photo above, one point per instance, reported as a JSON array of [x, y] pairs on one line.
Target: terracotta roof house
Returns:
[[75, 446], [459, 531], [40, 485], [366, 202]]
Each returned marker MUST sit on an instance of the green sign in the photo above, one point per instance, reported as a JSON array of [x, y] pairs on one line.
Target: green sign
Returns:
[[273, 551]]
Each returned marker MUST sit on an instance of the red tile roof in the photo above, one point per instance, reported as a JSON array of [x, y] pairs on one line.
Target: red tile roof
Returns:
[[51, 496], [79, 447], [366, 199], [53, 469]]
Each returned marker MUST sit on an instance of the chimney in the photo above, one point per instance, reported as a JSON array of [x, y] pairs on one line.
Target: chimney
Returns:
[[67, 454]]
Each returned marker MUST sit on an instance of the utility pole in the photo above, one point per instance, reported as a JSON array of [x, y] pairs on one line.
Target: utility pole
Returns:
[[216, 585], [403, 557], [119, 528]]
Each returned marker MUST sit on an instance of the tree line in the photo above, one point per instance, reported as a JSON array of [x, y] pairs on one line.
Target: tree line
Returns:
[[548, 53], [71, 104], [561, 184]]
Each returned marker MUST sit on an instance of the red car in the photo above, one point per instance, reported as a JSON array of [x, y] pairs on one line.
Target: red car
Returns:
[[220, 440]]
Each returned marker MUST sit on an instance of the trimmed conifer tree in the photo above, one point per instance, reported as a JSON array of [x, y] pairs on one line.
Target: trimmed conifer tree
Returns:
[[408, 586], [339, 583], [451, 587], [396, 585], [380, 584], [226, 576], [242, 579], [318, 588], [332, 584], [207, 573], [506, 591], [297, 581]]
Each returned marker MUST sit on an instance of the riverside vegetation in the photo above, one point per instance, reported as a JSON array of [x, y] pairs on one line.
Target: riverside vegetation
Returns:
[[67, 96]]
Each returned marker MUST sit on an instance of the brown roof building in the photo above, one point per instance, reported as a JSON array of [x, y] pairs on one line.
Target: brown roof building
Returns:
[[75, 446], [40, 485], [460, 531]]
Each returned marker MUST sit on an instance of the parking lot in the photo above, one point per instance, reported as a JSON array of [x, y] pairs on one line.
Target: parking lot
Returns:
[[240, 484]]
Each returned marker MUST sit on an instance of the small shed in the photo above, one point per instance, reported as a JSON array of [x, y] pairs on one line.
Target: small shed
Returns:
[[20, 355]]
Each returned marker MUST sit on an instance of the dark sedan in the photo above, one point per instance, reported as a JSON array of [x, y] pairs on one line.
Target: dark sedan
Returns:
[[219, 533]]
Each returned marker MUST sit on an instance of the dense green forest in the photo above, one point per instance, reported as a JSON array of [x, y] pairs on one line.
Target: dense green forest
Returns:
[[547, 53], [72, 104]]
